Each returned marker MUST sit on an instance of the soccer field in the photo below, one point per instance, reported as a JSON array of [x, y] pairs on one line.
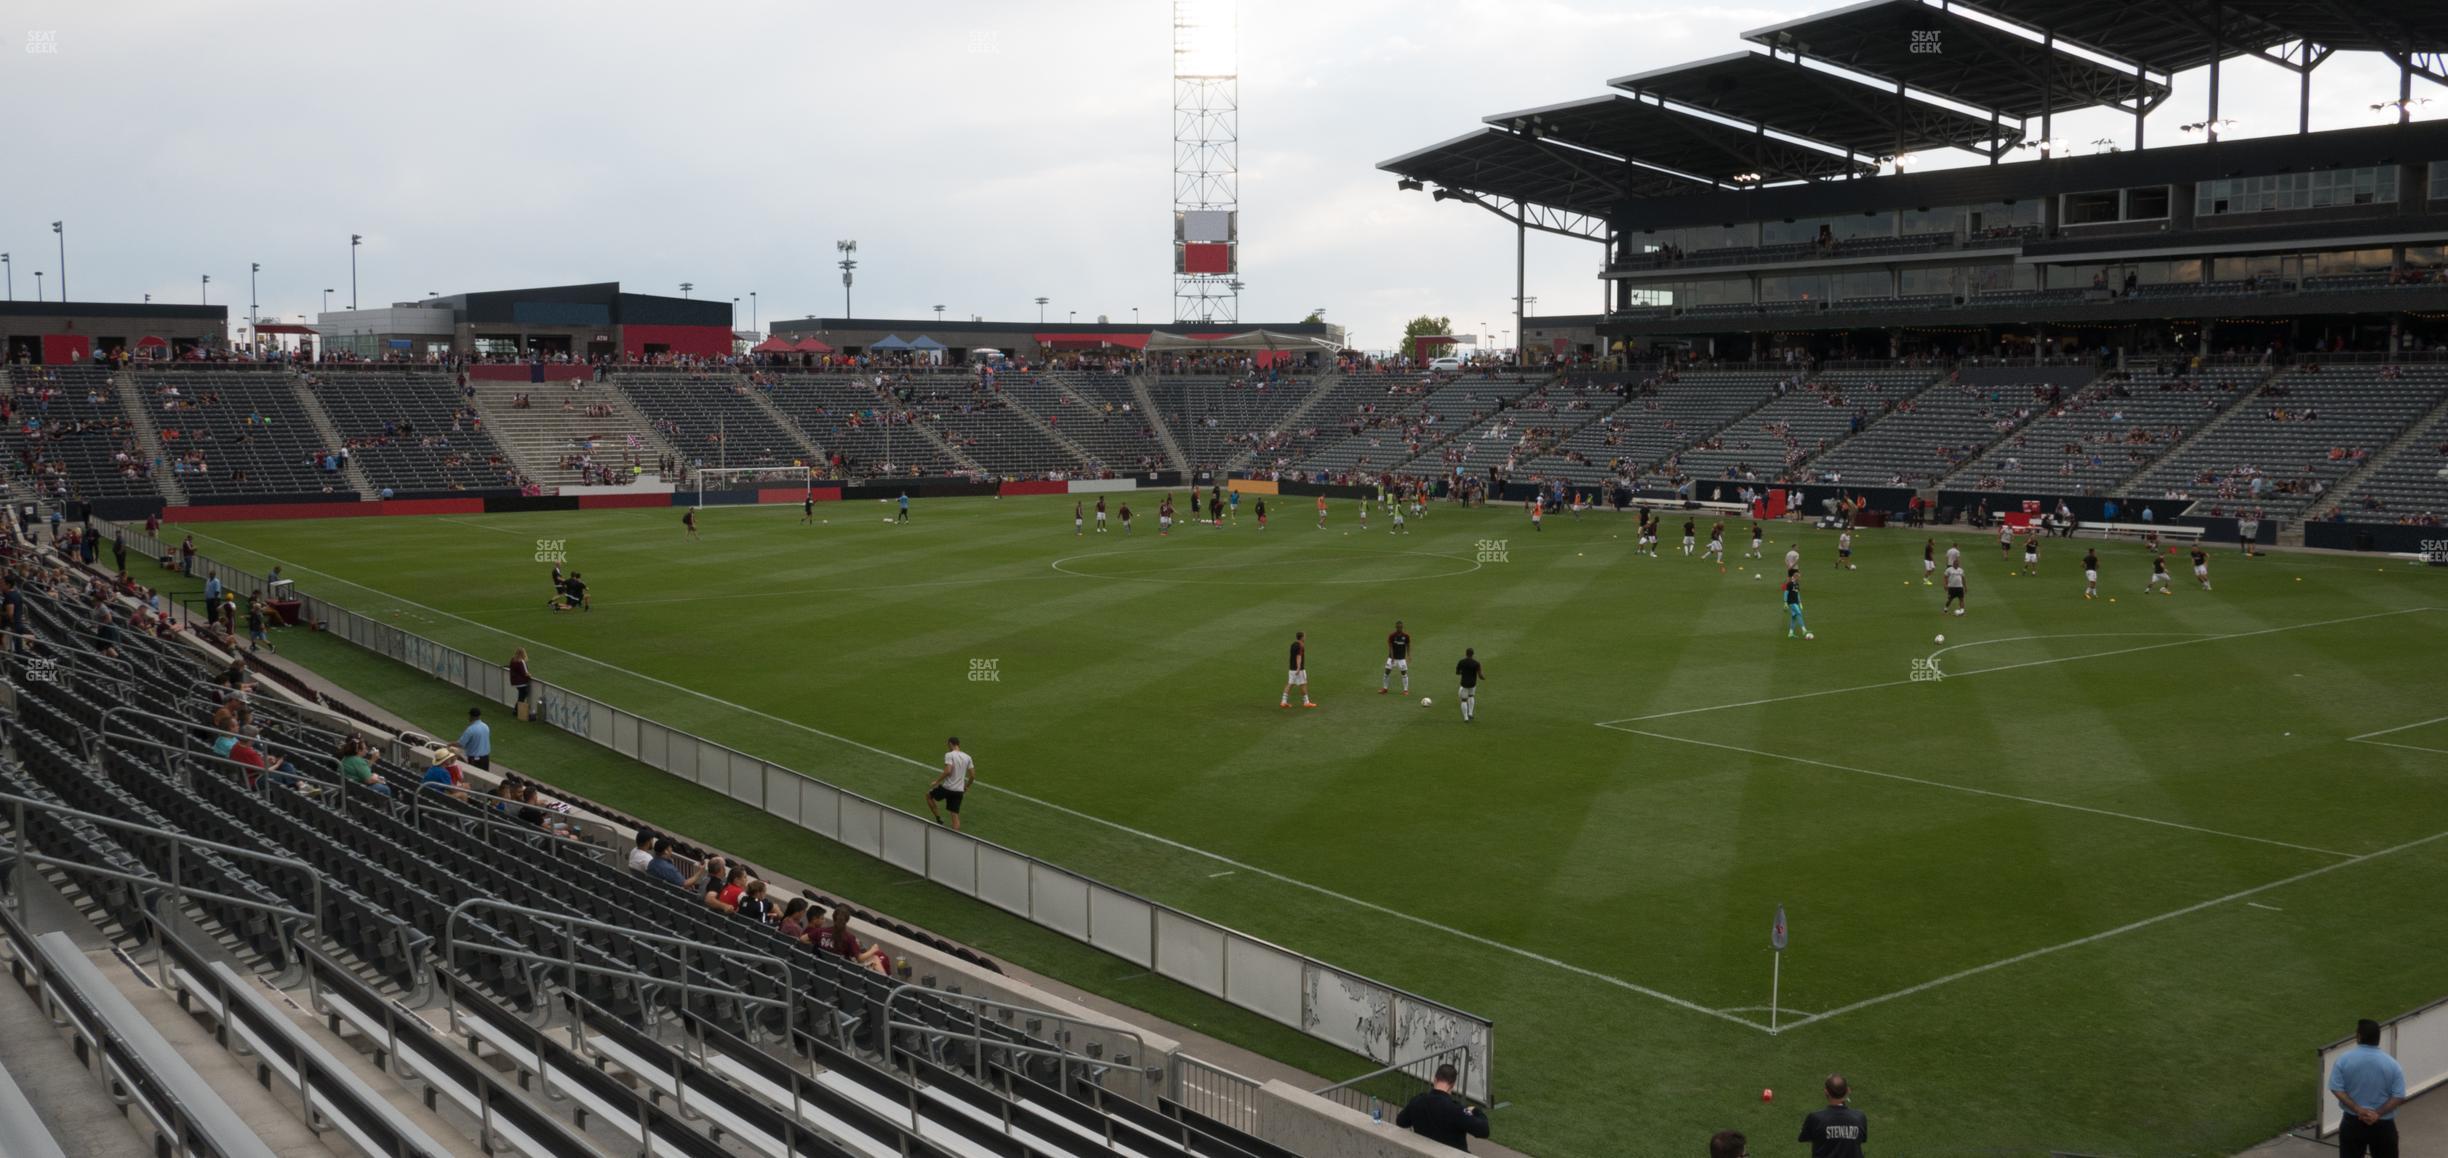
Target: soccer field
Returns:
[[2101, 887]]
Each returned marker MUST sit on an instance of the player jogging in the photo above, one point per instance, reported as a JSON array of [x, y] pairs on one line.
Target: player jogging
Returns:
[[1929, 560], [1756, 548], [1164, 517], [1126, 518], [2159, 579], [1688, 538], [1398, 658], [688, 522], [1538, 511], [1321, 512], [1100, 514], [959, 771], [2201, 567], [2091, 573], [1262, 514], [2031, 553], [2005, 540], [1844, 549], [904, 508], [1299, 676], [1716, 546], [1954, 589], [1079, 519], [1793, 606], [1793, 559], [1954, 556], [1470, 673], [1648, 537]]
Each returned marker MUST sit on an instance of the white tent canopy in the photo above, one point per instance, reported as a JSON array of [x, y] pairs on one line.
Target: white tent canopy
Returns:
[[1161, 342]]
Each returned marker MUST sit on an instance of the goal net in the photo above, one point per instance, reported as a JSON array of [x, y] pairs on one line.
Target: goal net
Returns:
[[738, 478]]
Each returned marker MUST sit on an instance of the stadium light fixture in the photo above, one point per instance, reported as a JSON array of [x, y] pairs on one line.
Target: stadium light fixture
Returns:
[[61, 229], [685, 287], [10, 273], [204, 290], [1041, 305], [846, 248], [1747, 178], [1206, 36], [1408, 183], [355, 240], [939, 315], [38, 291]]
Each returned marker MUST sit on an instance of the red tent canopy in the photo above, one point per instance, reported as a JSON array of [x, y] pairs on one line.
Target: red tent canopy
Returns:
[[774, 345], [811, 346], [150, 341], [1134, 341]]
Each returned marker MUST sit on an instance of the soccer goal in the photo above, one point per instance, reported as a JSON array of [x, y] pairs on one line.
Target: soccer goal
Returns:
[[723, 478]]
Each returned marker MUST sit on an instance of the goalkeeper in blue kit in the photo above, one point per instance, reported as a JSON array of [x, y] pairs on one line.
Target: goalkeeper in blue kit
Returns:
[[1793, 606]]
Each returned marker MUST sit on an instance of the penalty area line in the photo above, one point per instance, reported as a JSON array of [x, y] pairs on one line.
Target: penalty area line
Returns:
[[1168, 842], [2240, 895]]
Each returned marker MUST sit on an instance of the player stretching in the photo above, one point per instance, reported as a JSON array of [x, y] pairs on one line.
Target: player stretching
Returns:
[[1398, 658], [1299, 677], [1844, 550], [1321, 512], [1470, 673], [1756, 548], [1100, 513], [2201, 567], [2159, 579], [1955, 590], [1079, 519], [2031, 553], [2091, 573], [1716, 546], [1793, 606], [1688, 538], [688, 522], [1929, 560]]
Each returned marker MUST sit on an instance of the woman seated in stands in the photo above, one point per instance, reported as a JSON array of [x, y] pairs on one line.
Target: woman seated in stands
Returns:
[[835, 937]]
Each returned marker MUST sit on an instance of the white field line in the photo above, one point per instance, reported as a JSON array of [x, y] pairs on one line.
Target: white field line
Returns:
[[1219, 858], [2400, 728], [1968, 789], [2016, 666], [2144, 923], [2407, 747]]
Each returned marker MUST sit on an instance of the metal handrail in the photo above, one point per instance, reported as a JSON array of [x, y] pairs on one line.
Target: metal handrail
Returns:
[[1348, 1094], [25, 851], [419, 805], [185, 747], [976, 1034], [451, 943]]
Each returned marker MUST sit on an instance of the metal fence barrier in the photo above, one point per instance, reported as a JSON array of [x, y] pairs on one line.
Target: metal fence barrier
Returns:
[[1368, 1017]]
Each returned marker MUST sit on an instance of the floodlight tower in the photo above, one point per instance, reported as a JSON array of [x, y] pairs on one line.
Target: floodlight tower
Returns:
[[1206, 161]]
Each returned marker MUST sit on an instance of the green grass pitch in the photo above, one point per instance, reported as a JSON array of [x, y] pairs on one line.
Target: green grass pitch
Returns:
[[2102, 887]]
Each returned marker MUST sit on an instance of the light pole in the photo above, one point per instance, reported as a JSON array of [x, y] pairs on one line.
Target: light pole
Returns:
[[204, 290], [327, 301], [752, 313], [38, 294], [1072, 318], [685, 287], [355, 240], [11, 273], [61, 229], [1041, 310], [254, 320], [1134, 315], [939, 315], [847, 263]]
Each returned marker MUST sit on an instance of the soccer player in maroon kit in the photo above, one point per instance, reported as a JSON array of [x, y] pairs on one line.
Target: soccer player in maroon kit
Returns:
[[1299, 674], [1398, 658]]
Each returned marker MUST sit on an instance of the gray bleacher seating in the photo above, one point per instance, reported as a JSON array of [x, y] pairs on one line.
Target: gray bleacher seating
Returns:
[[409, 429], [68, 432], [984, 423], [1936, 430], [848, 416], [2411, 485], [2107, 431], [2284, 447], [1766, 445], [247, 424], [709, 416]]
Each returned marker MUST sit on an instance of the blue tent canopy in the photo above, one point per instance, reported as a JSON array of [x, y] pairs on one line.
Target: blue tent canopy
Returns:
[[890, 342], [926, 343]]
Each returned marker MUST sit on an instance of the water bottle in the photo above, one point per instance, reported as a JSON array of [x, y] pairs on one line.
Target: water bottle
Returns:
[[1376, 1112]]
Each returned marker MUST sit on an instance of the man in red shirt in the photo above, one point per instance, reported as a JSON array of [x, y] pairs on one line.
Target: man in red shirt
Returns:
[[245, 752]]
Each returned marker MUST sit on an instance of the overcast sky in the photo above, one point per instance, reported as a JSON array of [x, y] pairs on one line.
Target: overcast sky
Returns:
[[982, 154]]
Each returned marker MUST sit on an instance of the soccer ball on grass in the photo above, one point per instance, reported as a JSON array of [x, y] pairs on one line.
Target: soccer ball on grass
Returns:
[[1425, 701], [1941, 638]]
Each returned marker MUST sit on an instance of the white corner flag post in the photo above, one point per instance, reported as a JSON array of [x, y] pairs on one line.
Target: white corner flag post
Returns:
[[1776, 974]]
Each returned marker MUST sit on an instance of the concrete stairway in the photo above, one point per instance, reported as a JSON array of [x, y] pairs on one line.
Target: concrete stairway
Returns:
[[1155, 417], [540, 437], [355, 474], [2235, 406], [140, 419], [1319, 390], [2405, 439], [815, 454]]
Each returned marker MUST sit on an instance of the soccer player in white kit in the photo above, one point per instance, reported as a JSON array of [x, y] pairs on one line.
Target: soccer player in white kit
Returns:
[[2091, 573], [1755, 544], [1793, 559], [2159, 579], [1844, 549], [1716, 546]]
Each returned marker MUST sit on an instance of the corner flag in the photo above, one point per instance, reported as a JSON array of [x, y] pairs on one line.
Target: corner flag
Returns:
[[1776, 933]]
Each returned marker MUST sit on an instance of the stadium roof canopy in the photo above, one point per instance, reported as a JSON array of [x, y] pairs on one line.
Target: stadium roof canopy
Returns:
[[1951, 55], [2165, 36], [1790, 97], [1656, 136], [1508, 165]]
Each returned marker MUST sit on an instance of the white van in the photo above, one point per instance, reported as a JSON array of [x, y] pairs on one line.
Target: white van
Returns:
[[1445, 365]]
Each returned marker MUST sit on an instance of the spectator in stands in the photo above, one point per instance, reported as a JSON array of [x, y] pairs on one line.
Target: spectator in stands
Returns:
[[2369, 1085], [1836, 1130], [794, 919], [661, 867], [725, 896], [836, 938], [442, 774], [476, 740], [709, 875], [244, 752], [357, 765], [753, 905], [1440, 1115], [643, 854], [1729, 1144]]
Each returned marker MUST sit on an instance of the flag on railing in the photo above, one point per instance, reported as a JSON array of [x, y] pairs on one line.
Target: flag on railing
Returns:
[[1776, 932]]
